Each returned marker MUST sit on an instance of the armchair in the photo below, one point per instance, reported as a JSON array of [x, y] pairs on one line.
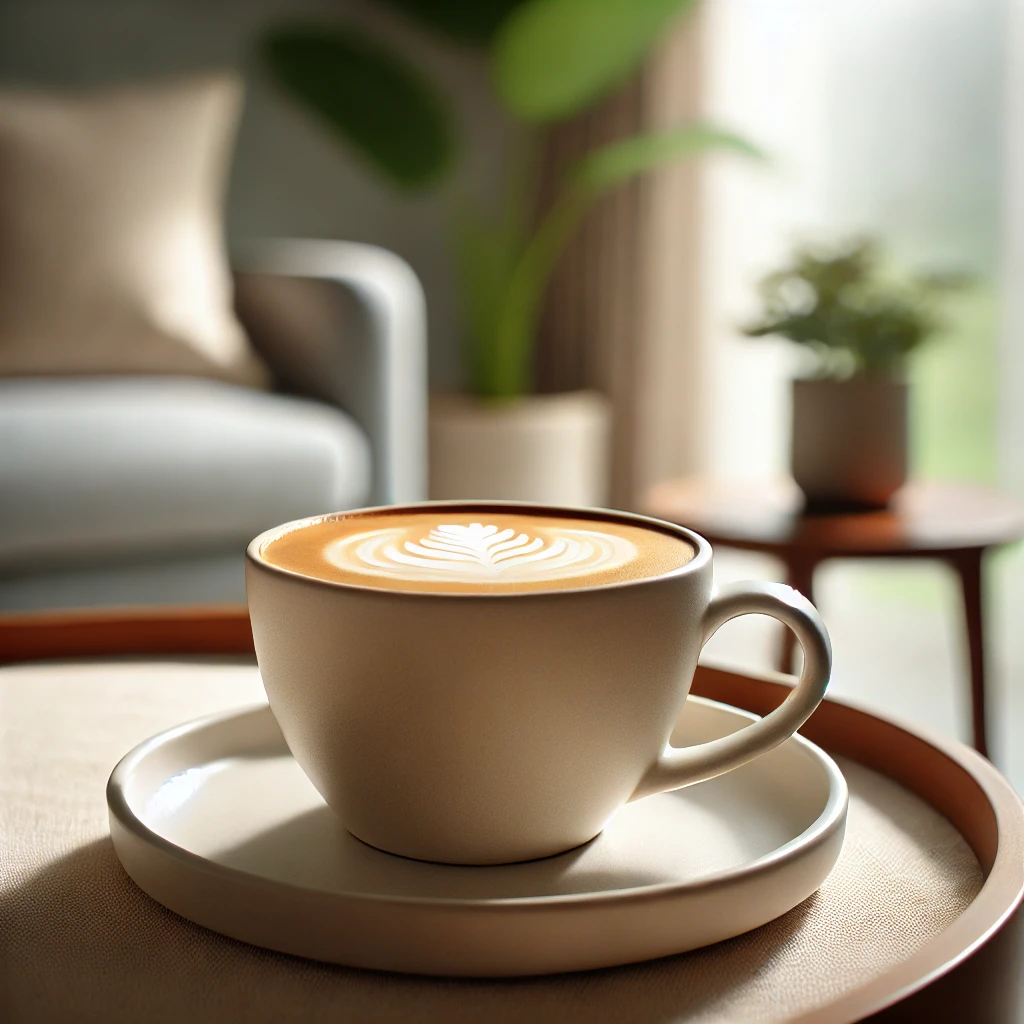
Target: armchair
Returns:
[[145, 490]]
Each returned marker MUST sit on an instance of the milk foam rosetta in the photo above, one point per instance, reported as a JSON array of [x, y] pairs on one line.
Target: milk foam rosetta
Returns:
[[475, 551]]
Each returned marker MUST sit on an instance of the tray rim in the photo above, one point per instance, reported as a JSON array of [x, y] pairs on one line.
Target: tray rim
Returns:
[[819, 833], [1000, 852]]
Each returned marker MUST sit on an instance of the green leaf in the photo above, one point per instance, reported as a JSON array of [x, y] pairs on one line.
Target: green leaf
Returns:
[[554, 57], [474, 22], [369, 96], [620, 161]]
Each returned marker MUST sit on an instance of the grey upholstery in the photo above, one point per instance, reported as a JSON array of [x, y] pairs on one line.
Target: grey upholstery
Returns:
[[347, 323], [100, 468], [146, 490]]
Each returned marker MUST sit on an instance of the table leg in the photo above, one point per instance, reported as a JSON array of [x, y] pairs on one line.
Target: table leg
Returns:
[[800, 576], [968, 567]]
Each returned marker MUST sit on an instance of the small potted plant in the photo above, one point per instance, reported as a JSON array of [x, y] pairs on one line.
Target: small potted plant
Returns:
[[548, 60], [858, 326]]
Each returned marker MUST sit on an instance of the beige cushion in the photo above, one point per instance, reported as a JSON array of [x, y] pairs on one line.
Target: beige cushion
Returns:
[[111, 247]]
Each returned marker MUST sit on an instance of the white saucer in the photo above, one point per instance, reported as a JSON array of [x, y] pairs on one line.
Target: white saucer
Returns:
[[216, 821]]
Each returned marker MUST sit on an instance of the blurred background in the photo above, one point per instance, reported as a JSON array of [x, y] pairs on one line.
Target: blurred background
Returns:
[[588, 204]]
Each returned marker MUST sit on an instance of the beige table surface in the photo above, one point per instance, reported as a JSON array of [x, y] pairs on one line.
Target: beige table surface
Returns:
[[79, 942]]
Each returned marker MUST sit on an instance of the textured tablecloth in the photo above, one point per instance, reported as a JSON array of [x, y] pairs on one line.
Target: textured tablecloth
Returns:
[[79, 941]]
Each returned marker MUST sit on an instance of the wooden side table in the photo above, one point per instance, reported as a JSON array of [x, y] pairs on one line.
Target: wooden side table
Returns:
[[953, 523]]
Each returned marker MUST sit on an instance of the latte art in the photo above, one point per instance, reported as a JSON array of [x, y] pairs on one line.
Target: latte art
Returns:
[[467, 550], [480, 551]]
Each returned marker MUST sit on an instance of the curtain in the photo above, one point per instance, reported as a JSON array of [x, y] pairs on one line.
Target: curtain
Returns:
[[622, 314]]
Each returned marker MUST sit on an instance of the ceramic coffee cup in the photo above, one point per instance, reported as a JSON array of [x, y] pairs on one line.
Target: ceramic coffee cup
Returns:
[[483, 727]]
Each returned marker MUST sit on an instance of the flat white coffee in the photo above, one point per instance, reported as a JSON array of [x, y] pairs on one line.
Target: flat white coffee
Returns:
[[473, 551]]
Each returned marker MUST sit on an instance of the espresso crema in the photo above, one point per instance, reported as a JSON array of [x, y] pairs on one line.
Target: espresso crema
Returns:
[[485, 551]]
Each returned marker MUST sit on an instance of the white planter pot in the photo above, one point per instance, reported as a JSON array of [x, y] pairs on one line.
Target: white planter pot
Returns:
[[849, 440], [552, 449]]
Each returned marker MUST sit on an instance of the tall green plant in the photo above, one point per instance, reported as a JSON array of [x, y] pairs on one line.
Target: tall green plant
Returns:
[[505, 274], [549, 60]]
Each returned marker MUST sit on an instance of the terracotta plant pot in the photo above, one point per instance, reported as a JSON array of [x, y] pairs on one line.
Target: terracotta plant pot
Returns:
[[849, 441], [551, 449]]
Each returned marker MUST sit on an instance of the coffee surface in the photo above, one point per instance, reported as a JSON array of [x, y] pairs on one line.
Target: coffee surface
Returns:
[[484, 551]]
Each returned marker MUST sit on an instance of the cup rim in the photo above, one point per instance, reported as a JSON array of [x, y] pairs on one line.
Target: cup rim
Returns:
[[701, 557]]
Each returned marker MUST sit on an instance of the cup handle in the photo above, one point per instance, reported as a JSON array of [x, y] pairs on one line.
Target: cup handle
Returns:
[[683, 766]]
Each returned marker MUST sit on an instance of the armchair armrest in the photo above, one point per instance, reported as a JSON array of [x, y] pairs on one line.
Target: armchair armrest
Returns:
[[346, 322]]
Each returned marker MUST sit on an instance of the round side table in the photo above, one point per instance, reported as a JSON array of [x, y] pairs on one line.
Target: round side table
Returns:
[[953, 523]]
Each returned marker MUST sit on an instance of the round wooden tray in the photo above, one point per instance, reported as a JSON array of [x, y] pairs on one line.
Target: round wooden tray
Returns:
[[967, 972]]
